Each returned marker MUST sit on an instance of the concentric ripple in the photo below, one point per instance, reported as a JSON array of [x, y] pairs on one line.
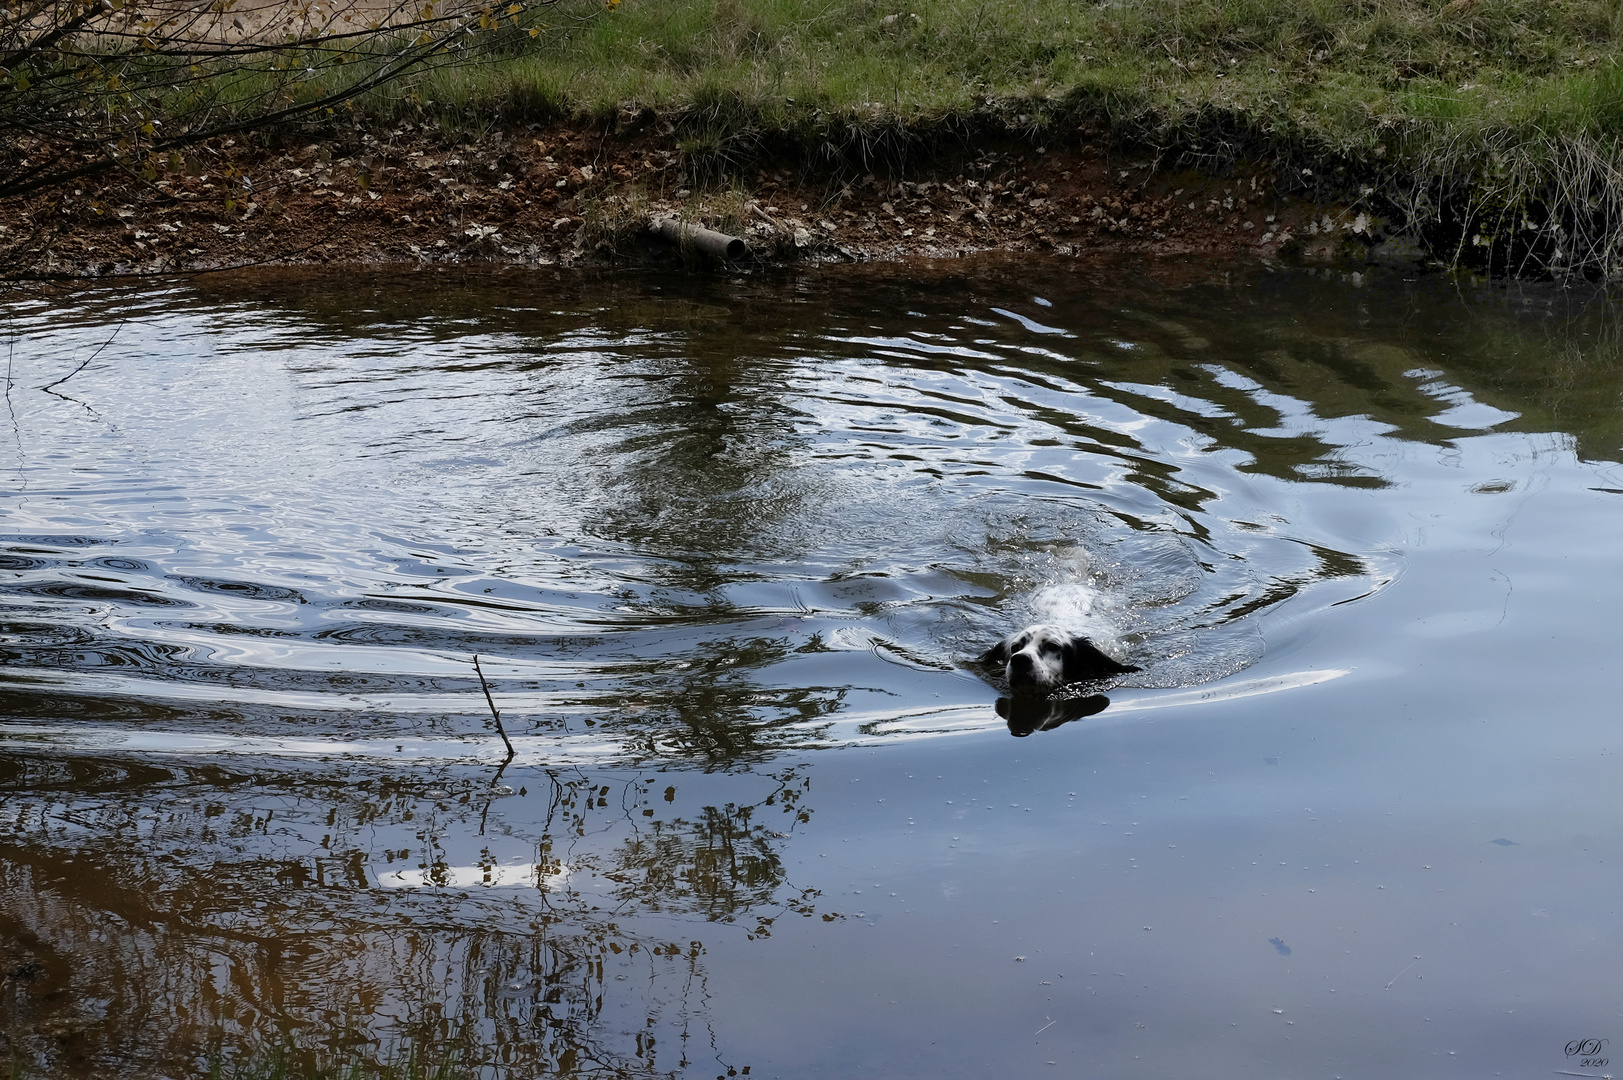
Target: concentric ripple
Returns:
[[679, 517]]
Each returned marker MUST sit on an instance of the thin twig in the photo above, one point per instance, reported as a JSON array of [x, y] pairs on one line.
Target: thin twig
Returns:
[[490, 797], [83, 364], [494, 714], [1399, 975], [11, 408], [494, 780], [86, 363]]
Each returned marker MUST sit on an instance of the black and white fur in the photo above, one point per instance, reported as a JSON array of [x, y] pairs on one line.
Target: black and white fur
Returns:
[[1042, 658]]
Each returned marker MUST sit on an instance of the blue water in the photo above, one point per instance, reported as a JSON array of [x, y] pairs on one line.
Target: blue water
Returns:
[[726, 548]]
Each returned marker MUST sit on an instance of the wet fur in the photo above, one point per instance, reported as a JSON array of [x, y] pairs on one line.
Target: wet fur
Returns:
[[1041, 658]]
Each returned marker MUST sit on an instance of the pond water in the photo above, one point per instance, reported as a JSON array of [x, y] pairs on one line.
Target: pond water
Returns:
[[726, 548]]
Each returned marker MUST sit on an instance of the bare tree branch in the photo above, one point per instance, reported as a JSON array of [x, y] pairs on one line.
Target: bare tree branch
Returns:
[[89, 86]]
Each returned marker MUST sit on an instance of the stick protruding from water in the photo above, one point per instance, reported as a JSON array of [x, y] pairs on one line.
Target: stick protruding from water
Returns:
[[485, 686]]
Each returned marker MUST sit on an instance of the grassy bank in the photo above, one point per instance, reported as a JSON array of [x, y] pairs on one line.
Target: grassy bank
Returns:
[[1492, 124], [1490, 129]]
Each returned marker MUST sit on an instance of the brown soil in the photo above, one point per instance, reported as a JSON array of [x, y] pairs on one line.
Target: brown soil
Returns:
[[571, 194], [259, 21]]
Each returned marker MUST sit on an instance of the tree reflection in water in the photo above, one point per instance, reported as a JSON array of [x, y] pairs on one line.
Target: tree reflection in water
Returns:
[[688, 523], [150, 913]]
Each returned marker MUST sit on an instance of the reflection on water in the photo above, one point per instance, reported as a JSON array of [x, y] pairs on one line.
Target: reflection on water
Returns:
[[1027, 713], [710, 538], [149, 912]]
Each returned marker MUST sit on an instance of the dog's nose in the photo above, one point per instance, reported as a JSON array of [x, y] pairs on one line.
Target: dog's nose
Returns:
[[1021, 662]]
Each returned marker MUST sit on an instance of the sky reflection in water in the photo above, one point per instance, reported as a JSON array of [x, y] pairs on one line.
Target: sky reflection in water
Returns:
[[725, 547]]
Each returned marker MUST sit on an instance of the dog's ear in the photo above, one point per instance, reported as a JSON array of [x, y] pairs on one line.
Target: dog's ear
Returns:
[[997, 655], [1084, 660], [1088, 706]]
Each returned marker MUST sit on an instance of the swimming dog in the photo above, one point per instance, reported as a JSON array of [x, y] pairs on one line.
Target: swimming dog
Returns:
[[1043, 658]]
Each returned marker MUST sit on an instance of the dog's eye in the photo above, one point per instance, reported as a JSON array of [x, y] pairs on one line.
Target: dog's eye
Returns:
[[1050, 648]]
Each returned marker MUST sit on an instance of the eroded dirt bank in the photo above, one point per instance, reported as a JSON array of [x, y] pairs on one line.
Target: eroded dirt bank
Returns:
[[570, 193]]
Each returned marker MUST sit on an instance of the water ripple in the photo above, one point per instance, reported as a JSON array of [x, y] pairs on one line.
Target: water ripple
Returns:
[[700, 531]]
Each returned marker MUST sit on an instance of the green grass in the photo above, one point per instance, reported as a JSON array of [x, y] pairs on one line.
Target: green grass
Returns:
[[1494, 114], [1349, 75]]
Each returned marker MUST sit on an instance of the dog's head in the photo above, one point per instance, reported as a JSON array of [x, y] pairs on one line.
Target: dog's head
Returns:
[[1041, 658]]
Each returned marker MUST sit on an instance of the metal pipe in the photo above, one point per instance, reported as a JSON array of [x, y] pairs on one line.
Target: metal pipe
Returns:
[[715, 244]]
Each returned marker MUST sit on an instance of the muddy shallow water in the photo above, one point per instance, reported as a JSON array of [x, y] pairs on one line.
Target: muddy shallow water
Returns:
[[725, 548]]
